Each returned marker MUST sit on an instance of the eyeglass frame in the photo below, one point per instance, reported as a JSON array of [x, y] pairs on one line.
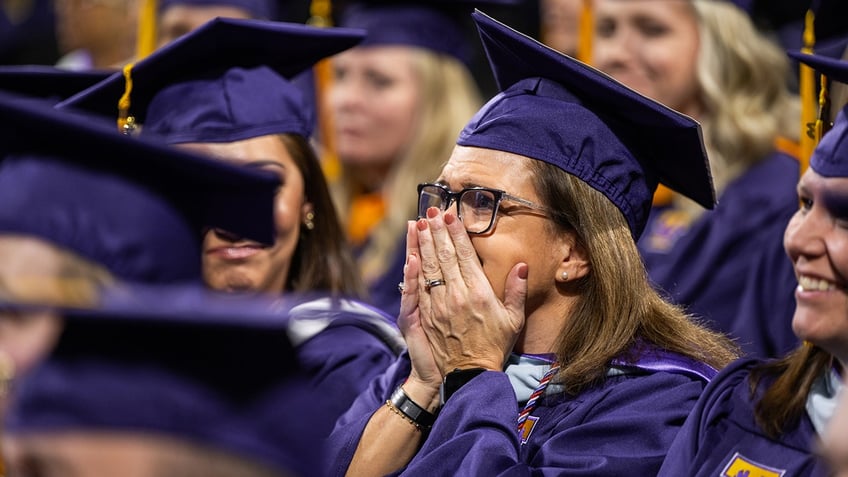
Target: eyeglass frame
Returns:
[[499, 195]]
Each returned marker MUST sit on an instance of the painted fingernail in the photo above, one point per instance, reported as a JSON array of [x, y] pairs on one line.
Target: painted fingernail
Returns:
[[432, 212], [422, 224]]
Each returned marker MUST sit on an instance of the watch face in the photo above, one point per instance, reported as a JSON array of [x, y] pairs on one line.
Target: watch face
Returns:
[[455, 380]]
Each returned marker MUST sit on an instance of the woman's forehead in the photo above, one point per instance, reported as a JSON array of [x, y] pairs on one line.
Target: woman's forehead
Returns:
[[487, 167]]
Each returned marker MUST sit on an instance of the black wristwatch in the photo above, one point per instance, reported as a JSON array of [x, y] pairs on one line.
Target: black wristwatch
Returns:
[[455, 380], [419, 416]]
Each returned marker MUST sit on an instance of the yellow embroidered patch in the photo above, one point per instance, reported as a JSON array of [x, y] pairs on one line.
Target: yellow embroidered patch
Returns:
[[741, 466]]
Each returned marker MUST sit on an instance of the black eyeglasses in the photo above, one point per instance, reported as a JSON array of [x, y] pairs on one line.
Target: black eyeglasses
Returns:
[[476, 206]]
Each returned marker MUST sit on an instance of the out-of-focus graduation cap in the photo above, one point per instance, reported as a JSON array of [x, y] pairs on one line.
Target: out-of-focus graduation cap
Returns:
[[131, 205], [48, 82], [210, 369], [830, 157], [223, 82], [827, 59], [436, 25], [259, 9], [586, 123]]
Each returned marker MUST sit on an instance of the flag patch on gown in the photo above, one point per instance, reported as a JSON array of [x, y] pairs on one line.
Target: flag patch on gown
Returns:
[[527, 428], [741, 466]]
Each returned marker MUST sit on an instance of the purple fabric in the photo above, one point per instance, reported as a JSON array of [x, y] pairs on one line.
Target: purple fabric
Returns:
[[341, 362], [555, 109], [47, 81], [422, 25], [763, 324], [101, 217], [830, 158], [707, 265], [621, 427], [126, 367], [655, 360], [383, 293], [721, 431], [239, 104], [208, 52], [134, 206], [259, 9], [827, 59]]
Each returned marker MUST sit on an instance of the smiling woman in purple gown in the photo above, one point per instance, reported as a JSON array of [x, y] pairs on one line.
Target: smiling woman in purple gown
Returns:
[[764, 417]]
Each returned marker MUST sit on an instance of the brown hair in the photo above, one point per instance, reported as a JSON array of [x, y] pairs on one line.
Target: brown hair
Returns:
[[785, 399], [617, 306], [322, 259]]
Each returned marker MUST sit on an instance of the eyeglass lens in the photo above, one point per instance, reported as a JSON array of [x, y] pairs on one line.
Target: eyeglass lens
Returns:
[[476, 206]]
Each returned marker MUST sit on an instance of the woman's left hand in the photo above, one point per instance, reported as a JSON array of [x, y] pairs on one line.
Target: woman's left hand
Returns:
[[467, 324]]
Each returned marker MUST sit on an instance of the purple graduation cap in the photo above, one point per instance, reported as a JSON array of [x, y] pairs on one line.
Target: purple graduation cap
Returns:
[[179, 362], [830, 158], [827, 59], [436, 25], [556, 109], [226, 81], [48, 82], [134, 206], [259, 9]]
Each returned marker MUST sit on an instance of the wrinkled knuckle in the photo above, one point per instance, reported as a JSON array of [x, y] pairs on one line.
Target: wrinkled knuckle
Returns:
[[429, 267], [445, 255], [466, 253]]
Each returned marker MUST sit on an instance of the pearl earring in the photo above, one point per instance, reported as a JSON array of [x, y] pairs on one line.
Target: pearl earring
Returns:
[[310, 217], [565, 276]]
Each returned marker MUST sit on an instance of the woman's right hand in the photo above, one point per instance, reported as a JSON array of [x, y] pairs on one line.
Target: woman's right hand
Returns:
[[425, 378]]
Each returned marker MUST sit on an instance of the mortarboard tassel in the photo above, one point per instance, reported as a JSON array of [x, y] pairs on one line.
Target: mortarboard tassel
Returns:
[[146, 38], [585, 32], [126, 123], [807, 88], [823, 123], [320, 11]]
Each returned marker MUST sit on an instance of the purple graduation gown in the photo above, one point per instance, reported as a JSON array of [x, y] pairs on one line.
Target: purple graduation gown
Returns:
[[383, 293], [706, 266], [342, 352], [623, 426], [721, 439], [763, 325]]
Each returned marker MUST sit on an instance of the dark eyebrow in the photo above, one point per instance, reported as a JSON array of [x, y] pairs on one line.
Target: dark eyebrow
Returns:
[[49, 464], [264, 163], [464, 184]]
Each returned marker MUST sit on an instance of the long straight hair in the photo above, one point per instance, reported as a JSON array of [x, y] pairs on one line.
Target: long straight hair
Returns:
[[617, 308], [785, 399], [322, 259]]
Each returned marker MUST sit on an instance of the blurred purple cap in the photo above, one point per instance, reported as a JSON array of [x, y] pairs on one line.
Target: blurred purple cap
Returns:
[[830, 158], [556, 109], [226, 81], [133, 206], [258, 9], [48, 82], [214, 370], [437, 25]]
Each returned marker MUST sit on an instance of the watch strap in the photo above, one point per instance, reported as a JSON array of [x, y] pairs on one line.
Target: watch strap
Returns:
[[417, 414]]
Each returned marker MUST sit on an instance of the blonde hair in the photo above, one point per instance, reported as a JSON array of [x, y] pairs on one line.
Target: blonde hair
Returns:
[[74, 281], [617, 309], [449, 98], [743, 79]]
